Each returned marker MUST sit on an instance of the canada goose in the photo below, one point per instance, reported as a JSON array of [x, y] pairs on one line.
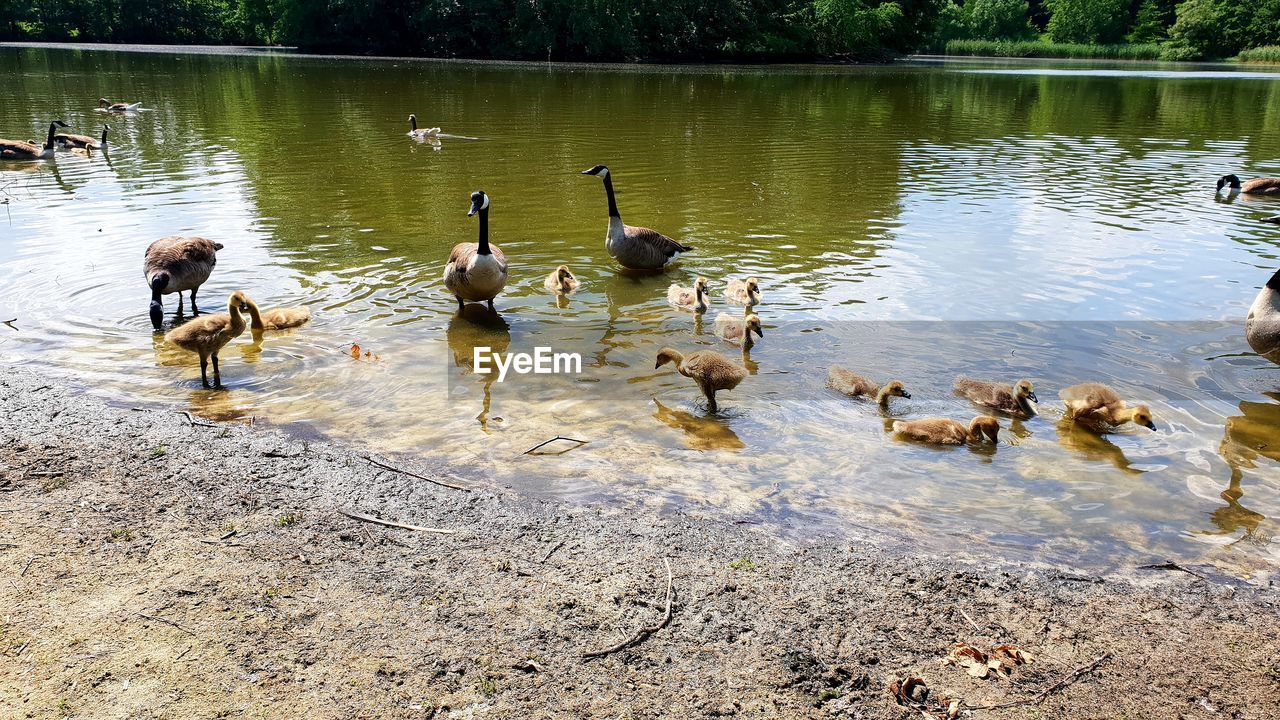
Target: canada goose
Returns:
[[637, 248], [708, 368], [1262, 326], [1017, 400], [208, 334], [175, 263], [694, 298], [561, 281], [945, 431], [737, 330], [855, 385], [744, 292], [1095, 403], [19, 150], [109, 106], [277, 318], [424, 132], [82, 141], [1256, 186], [476, 271]]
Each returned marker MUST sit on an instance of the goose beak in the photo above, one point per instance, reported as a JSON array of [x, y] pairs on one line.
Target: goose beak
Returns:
[[1151, 425], [657, 365], [1032, 397], [474, 209], [906, 394], [758, 331]]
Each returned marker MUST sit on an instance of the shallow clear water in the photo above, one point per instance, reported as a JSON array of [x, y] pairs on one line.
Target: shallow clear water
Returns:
[[919, 221]]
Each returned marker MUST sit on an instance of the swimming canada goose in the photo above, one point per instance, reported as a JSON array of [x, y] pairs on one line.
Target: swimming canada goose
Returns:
[[637, 248], [945, 431], [1256, 186], [175, 263], [744, 292], [19, 150], [1262, 326], [708, 368], [1017, 400], [277, 318], [476, 271], [561, 281], [424, 132], [694, 298], [208, 334], [109, 106], [855, 385], [82, 141], [1096, 404], [737, 330]]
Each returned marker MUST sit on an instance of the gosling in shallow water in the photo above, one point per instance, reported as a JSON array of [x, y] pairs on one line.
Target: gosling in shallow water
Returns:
[[561, 281], [744, 292], [712, 371], [855, 385], [1098, 405], [694, 298], [1018, 400], [945, 431], [277, 318], [208, 334], [737, 330]]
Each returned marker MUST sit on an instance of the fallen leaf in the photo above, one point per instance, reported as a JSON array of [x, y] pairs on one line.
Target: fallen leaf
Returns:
[[1012, 655], [355, 351], [973, 660]]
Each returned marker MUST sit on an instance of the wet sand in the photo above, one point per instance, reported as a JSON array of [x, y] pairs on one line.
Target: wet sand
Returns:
[[158, 568]]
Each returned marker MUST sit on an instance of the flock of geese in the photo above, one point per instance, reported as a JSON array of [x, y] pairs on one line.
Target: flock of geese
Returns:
[[478, 272]]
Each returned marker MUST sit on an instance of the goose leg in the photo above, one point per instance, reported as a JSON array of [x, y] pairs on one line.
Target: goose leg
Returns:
[[711, 401], [461, 304], [179, 294], [194, 310], [217, 376], [491, 308], [204, 375]]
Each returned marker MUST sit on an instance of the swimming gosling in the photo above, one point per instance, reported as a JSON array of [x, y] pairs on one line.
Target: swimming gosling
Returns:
[[738, 330], [712, 371], [1017, 400], [1096, 404], [694, 298], [945, 431], [208, 334], [855, 385], [744, 292], [561, 281]]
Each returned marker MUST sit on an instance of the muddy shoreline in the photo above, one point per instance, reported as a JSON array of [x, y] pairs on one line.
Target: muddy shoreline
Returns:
[[159, 567]]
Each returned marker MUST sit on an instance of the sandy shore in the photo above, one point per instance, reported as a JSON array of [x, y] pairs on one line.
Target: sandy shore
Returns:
[[155, 568]]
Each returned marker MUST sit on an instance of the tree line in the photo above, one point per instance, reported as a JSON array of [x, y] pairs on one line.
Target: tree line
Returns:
[[678, 30]]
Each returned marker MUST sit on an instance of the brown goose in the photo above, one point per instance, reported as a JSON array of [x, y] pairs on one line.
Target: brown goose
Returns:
[[709, 369], [476, 271], [208, 334], [109, 106], [1256, 186], [1096, 404], [945, 431], [174, 264], [1018, 399], [82, 141], [854, 385], [637, 248], [19, 150]]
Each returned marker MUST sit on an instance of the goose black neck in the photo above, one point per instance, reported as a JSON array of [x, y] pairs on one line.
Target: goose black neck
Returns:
[[104, 136], [613, 204], [1274, 282], [484, 233], [48, 143]]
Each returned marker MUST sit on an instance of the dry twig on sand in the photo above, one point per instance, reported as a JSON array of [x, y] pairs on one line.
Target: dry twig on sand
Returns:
[[192, 421], [644, 632], [433, 481], [166, 621], [391, 523], [1048, 690]]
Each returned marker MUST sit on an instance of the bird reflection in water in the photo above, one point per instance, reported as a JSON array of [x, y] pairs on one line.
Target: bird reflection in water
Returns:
[[476, 326], [1250, 437], [701, 432], [1092, 446]]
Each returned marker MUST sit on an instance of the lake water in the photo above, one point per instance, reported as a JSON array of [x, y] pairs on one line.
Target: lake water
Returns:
[[917, 221]]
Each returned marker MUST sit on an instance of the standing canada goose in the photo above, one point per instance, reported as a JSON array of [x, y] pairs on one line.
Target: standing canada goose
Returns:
[[175, 263], [277, 318], [19, 150], [1256, 186], [855, 385], [708, 368], [1098, 405], [208, 334], [637, 248], [476, 271], [744, 292], [1018, 400], [1262, 326], [424, 132], [945, 431], [561, 281], [737, 330], [109, 106], [82, 141], [694, 298]]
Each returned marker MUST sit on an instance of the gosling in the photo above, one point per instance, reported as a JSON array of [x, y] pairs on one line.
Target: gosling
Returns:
[[694, 298], [208, 334], [737, 330], [561, 281], [277, 318], [1096, 404], [945, 431], [855, 386], [1019, 400], [712, 371], [744, 292]]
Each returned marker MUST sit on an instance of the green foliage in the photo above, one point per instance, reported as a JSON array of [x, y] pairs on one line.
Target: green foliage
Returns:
[[999, 19], [1148, 25], [1197, 33], [1264, 54], [1088, 21], [1041, 49]]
